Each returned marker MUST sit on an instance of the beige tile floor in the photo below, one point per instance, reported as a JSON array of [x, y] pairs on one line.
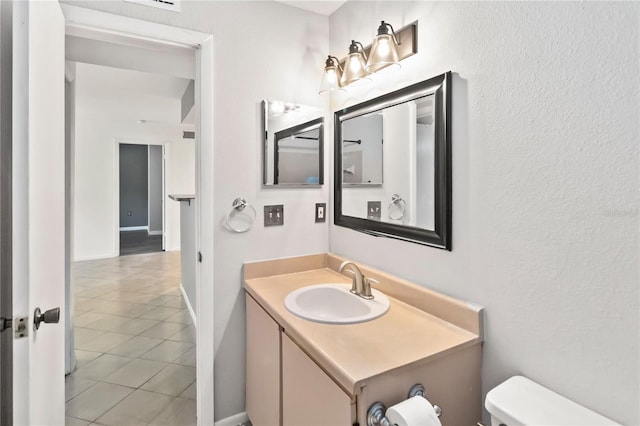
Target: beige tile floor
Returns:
[[134, 343]]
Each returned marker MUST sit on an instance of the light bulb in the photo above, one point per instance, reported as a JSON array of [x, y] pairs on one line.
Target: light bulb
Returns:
[[383, 47], [354, 64], [277, 107], [331, 76]]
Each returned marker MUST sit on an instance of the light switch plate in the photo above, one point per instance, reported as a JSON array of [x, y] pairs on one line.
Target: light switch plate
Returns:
[[321, 212], [274, 215], [374, 210]]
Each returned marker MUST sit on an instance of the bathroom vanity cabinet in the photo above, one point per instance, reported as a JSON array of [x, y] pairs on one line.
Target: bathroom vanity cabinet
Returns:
[[307, 392], [305, 373]]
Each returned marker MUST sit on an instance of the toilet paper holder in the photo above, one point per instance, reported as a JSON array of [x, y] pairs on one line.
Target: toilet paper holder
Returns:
[[376, 412]]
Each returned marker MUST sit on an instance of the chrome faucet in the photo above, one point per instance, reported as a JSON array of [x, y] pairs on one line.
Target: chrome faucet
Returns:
[[360, 286]]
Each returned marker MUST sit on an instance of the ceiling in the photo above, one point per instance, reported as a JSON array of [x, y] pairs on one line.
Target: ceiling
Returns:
[[101, 81], [126, 96], [326, 7]]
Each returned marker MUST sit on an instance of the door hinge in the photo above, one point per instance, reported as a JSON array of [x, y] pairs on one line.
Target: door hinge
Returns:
[[200, 257], [19, 326]]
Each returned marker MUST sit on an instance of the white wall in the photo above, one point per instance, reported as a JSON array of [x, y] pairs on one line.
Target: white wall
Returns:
[[254, 60], [99, 122], [292, 55], [545, 184]]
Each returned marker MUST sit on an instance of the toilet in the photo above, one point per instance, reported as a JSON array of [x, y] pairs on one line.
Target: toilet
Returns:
[[522, 402]]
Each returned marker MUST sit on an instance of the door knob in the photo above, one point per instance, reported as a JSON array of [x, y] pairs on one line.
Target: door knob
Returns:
[[49, 316]]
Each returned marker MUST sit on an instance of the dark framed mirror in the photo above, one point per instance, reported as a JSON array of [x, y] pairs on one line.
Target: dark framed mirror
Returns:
[[392, 165], [293, 145]]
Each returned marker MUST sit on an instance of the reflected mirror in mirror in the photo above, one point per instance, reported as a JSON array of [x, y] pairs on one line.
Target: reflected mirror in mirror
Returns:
[[362, 150], [393, 167], [292, 144]]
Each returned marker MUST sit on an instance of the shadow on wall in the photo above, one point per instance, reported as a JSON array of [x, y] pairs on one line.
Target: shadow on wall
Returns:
[[231, 355]]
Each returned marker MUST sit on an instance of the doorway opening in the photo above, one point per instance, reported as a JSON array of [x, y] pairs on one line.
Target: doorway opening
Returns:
[[38, 204], [141, 198], [131, 326]]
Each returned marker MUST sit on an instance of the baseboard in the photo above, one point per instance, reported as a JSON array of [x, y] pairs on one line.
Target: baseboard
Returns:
[[154, 232], [103, 256], [237, 420], [133, 228], [187, 302]]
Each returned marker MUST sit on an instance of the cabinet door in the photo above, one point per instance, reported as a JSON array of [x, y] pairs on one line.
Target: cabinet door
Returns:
[[309, 396], [263, 366]]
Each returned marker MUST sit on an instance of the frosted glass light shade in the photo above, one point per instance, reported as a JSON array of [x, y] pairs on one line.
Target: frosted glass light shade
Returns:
[[331, 77], [383, 54], [355, 73]]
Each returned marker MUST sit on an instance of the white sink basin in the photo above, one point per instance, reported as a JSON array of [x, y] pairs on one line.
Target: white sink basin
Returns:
[[335, 304]]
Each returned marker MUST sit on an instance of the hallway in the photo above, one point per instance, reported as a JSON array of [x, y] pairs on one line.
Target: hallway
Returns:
[[139, 242], [134, 344]]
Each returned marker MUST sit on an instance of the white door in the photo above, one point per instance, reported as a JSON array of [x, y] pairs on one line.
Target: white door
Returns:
[[38, 209]]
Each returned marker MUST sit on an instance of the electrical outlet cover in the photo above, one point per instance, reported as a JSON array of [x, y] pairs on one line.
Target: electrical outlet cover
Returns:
[[321, 212], [374, 210]]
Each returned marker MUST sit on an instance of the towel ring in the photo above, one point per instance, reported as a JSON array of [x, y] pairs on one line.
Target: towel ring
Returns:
[[397, 201], [238, 206]]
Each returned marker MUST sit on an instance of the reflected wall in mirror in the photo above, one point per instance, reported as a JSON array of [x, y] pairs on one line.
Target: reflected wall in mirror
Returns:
[[362, 150], [293, 144], [393, 164]]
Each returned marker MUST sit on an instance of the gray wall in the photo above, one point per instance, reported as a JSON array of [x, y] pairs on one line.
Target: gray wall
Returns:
[[70, 121], [6, 338], [188, 250], [296, 166], [155, 188], [545, 152], [188, 100], [133, 185]]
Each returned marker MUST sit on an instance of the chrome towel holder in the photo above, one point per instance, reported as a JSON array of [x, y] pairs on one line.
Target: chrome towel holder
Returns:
[[238, 207], [400, 204]]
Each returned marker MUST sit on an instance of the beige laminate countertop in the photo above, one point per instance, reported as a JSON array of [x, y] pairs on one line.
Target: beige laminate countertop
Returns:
[[405, 337]]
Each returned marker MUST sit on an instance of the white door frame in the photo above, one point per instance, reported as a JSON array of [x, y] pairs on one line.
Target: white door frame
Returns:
[[81, 19]]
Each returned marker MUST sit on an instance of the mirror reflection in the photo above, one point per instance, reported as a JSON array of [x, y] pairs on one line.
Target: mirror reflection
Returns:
[[362, 150], [393, 171], [293, 144], [395, 142]]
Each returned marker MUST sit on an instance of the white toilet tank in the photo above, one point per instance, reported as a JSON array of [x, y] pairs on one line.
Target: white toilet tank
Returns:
[[522, 402]]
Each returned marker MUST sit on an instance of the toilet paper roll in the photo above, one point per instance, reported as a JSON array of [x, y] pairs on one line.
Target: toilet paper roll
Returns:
[[415, 411]]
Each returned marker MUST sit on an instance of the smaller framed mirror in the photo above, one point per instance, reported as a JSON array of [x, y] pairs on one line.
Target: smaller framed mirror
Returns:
[[293, 145]]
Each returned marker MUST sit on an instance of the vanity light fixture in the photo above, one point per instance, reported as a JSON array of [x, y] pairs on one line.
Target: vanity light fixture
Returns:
[[388, 49], [331, 76], [384, 51], [354, 68]]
